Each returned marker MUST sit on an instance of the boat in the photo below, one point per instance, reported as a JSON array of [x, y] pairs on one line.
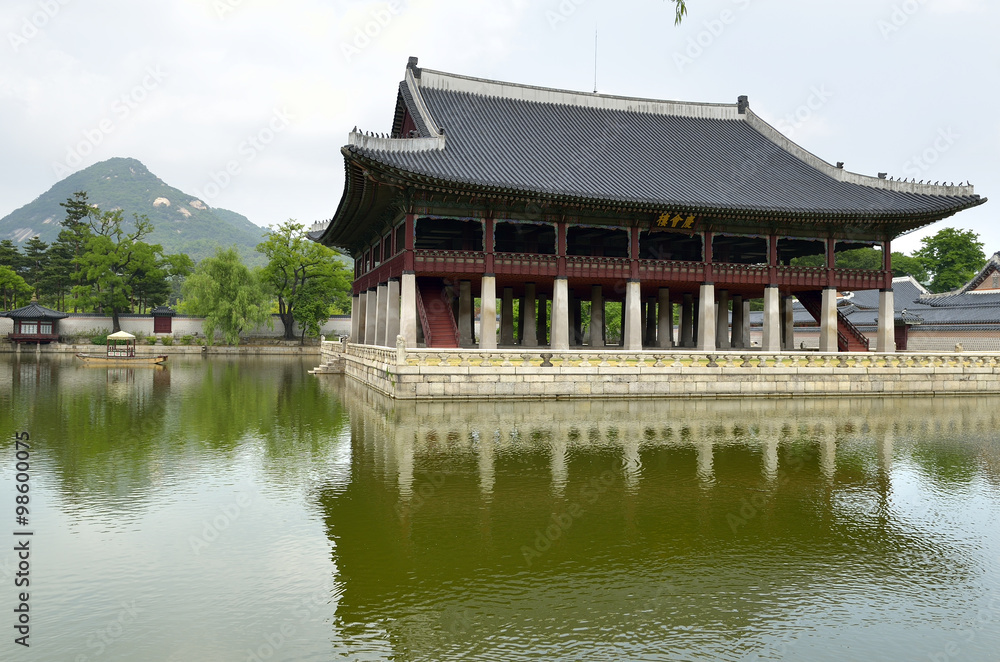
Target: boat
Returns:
[[121, 351]]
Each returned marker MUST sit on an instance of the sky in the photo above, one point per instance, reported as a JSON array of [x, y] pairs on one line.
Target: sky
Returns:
[[246, 103]]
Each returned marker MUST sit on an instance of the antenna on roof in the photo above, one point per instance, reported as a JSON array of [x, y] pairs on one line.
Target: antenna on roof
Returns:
[[595, 60]]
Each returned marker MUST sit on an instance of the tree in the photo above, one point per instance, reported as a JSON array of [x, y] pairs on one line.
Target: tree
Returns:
[[14, 291], [73, 239], [36, 260], [906, 265], [227, 294], [116, 260], [11, 257], [952, 257], [304, 276], [680, 9]]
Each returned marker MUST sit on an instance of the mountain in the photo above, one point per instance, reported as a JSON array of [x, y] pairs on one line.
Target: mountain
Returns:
[[182, 222]]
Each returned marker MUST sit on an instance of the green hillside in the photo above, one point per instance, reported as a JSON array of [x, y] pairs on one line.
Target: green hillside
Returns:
[[184, 224]]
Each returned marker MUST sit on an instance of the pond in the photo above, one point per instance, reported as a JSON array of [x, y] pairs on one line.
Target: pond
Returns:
[[241, 509]]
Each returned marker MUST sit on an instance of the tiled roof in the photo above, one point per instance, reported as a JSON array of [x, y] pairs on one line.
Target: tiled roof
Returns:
[[34, 311], [707, 158]]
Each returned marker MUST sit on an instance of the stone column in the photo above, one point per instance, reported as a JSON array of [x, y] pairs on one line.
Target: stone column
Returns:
[[706, 317], [466, 317], [687, 321], [771, 338], [560, 315], [746, 324], [722, 320], [528, 319], [488, 314], [828, 321], [632, 317], [380, 294], [507, 317], [665, 320], [392, 312], [596, 317], [737, 334], [576, 320], [788, 323], [408, 310], [355, 317], [370, 317], [885, 340]]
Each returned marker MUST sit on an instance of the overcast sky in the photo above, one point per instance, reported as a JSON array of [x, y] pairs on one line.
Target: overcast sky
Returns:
[[907, 87]]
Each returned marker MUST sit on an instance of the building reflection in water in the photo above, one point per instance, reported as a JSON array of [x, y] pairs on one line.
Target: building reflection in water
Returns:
[[544, 528]]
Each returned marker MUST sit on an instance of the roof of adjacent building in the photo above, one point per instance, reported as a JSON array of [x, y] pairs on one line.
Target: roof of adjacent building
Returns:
[[34, 311], [719, 159]]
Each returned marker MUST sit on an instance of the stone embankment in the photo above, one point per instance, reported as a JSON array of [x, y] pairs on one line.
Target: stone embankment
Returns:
[[471, 374]]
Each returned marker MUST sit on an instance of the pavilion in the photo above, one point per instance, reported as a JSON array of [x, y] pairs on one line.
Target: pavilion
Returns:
[[493, 190], [35, 324]]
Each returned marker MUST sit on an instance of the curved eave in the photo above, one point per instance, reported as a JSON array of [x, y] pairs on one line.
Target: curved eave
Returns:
[[901, 220]]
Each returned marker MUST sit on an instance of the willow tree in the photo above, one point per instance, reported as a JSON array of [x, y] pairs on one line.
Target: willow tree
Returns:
[[227, 294]]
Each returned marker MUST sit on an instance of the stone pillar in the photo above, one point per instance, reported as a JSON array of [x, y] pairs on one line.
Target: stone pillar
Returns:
[[560, 315], [788, 323], [355, 317], [520, 320], [687, 321], [828, 321], [392, 312], [370, 316], [885, 340], [528, 319], [771, 338], [380, 309], [649, 337], [507, 317], [466, 317], [722, 320], [706, 317], [632, 317], [541, 319], [737, 335], [408, 310], [596, 317], [488, 314], [665, 320]]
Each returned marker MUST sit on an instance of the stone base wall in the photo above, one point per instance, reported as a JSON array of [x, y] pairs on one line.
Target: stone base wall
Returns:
[[152, 350], [471, 375]]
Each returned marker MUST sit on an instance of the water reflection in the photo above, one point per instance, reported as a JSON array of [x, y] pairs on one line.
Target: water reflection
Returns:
[[688, 529]]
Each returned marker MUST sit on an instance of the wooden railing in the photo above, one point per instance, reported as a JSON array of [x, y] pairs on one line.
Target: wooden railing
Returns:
[[525, 264], [449, 262], [598, 267]]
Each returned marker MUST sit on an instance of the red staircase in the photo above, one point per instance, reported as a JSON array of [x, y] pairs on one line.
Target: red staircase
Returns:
[[849, 338], [436, 318]]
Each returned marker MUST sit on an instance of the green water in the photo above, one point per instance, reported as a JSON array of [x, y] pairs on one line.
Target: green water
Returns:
[[241, 509]]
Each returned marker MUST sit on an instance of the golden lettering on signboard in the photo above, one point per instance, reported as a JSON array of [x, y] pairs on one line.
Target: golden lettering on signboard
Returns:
[[676, 221]]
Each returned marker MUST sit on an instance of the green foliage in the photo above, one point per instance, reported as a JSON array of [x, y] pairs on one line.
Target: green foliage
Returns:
[[680, 10], [100, 339], [906, 265], [186, 340], [227, 294], [305, 277], [167, 340], [953, 256], [14, 291]]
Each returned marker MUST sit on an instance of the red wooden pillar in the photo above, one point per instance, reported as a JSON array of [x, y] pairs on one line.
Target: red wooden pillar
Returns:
[[831, 261], [408, 241], [709, 275], [488, 245], [633, 252], [561, 249], [887, 267], [772, 260]]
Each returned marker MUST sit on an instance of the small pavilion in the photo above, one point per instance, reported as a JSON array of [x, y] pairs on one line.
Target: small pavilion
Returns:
[[549, 198], [35, 324]]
